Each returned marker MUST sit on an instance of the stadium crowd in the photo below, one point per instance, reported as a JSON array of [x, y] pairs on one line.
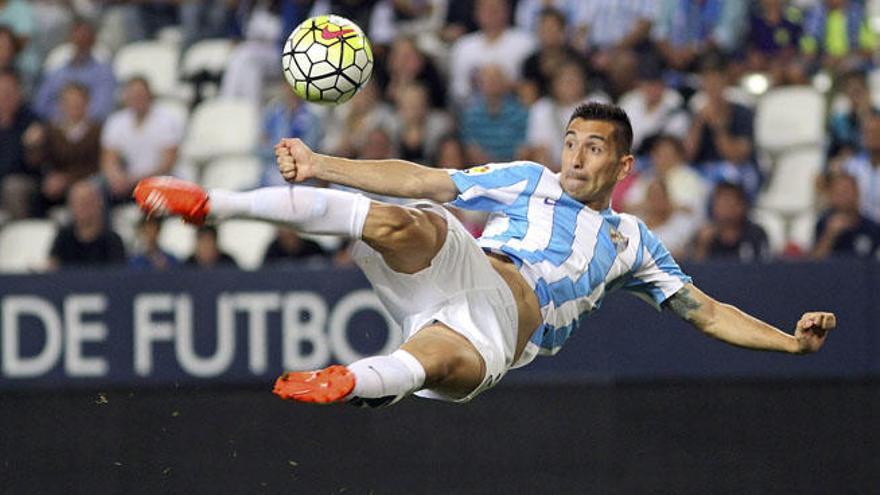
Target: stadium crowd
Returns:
[[456, 83]]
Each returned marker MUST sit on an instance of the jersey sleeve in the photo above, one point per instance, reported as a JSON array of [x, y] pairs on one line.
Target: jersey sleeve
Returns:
[[655, 275], [494, 186]]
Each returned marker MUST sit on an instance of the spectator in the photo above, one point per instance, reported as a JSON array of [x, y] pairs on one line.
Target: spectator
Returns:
[[18, 15], [150, 255], [392, 19], [286, 117], [773, 38], [548, 117], [84, 69], [837, 31], [729, 233], [87, 241], [72, 145], [720, 139], [19, 130], [846, 120], [553, 51], [685, 187], [450, 153], [607, 27], [256, 57], [207, 253], [495, 43], [673, 226], [842, 230], [419, 128], [865, 167], [407, 65], [138, 141], [653, 108], [347, 126], [8, 49], [686, 30], [289, 248], [203, 19], [530, 13], [495, 123]]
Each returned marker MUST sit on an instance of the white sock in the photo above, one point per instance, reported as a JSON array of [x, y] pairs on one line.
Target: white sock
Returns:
[[310, 209], [384, 380]]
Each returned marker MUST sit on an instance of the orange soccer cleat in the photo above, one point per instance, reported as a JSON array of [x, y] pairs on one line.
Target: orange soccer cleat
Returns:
[[324, 386], [168, 195]]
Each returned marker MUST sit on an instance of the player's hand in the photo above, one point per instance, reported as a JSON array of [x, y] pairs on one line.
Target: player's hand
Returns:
[[812, 329], [295, 160]]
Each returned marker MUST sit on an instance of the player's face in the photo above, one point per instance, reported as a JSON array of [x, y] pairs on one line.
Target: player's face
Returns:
[[591, 165]]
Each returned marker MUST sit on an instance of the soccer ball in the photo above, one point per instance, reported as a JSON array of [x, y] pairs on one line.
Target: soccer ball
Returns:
[[327, 59]]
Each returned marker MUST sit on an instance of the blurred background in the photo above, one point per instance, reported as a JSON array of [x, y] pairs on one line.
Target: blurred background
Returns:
[[137, 355]]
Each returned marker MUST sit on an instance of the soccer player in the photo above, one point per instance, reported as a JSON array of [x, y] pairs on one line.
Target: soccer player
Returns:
[[471, 309]]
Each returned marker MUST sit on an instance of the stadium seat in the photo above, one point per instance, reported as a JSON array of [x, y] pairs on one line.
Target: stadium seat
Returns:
[[177, 238], [246, 241], [791, 188], [803, 230], [789, 117], [61, 54], [154, 60], [206, 56], [233, 173], [221, 127], [124, 221], [25, 245], [774, 225]]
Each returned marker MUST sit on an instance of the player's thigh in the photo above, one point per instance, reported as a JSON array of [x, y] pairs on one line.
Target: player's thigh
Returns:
[[452, 364], [408, 238]]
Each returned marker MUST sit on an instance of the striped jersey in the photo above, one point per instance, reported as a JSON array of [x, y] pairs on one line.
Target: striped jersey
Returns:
[[570, 254]]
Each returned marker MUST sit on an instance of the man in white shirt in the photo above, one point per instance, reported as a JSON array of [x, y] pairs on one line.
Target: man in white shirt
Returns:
[[138, 141], [495, 43]]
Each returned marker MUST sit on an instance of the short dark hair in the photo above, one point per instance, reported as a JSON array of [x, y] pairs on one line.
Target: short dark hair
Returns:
[[731, 187], [554, 13], [607, 112]]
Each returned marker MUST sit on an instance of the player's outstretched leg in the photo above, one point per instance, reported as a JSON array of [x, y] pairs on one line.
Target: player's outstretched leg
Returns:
[[311, 210]]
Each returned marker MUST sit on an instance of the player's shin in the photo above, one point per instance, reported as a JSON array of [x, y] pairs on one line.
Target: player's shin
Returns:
[[309, 209], [384, 380]]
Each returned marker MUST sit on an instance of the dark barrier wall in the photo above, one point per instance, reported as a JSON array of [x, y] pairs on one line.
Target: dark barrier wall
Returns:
[[765, 438], [192, 327]]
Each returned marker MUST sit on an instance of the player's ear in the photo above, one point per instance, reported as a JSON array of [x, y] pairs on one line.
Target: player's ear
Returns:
[[626, 164]]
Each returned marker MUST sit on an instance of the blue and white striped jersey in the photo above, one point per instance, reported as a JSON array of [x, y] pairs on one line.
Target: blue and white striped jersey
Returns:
[[569, 253]]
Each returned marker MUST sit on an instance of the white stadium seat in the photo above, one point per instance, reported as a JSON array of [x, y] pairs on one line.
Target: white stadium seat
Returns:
[[803, 230], [246, 241], [209, 55], [774, 225], [154, 60], [177, 108], [177, 238], [233, 173], [222, 127], [25, 245], [124, 221], [791, 189], [789, 117]]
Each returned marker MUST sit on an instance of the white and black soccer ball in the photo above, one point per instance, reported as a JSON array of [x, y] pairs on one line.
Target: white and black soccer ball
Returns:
[[327, 59]]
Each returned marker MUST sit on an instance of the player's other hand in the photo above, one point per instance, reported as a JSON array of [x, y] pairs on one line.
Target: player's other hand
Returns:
[[812, 329], [295, 160]]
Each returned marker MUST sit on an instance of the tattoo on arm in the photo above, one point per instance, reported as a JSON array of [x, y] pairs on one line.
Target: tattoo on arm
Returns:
[[683, 304]]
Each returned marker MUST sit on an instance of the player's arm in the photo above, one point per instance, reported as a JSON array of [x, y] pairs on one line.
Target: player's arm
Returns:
[[398, 178], [727, 323]]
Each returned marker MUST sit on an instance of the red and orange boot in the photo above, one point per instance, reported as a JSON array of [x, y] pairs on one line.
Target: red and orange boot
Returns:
[[172, 196], [327, 386]]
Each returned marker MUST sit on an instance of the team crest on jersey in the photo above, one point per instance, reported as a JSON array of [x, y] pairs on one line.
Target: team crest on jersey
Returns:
[[620, 241]]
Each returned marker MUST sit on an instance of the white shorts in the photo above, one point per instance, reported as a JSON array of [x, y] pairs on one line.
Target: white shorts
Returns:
[[460, 289]]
